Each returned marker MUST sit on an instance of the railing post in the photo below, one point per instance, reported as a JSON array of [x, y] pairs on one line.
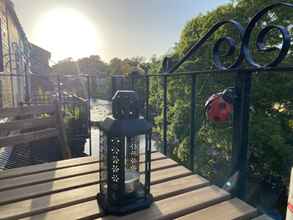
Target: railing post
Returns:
[[114, 86], [192, 122], [147, 90], [89, 114], [132, 81], [122, 82], [165, 119], [59, 89], [240, 132], [27, 98]]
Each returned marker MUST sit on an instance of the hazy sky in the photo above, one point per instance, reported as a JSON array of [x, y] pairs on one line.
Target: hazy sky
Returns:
[[109, 28]]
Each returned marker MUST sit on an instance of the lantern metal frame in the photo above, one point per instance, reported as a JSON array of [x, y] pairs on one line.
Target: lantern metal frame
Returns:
[[119, 153]]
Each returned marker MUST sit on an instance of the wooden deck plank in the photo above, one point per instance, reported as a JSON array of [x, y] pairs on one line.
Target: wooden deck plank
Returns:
[[67, 173], [45, 167], [172, 173], [59, 165], [232, 209], [80, 195], [263, 217], [31, 191], [164, 209], [161, 164], [18, 194], [86, 210], [72, 195], [48, 176], [180, 185], [177, 206], [155, 156]]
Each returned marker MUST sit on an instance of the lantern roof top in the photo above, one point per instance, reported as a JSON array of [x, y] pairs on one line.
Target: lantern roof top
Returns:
[[125, 127]]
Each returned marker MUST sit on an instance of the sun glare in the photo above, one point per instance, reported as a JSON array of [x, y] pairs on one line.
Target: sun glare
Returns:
[[67, 33]]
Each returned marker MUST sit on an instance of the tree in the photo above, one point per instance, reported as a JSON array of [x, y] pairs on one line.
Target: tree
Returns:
[[100, 73], [65, 67], [93, 66], [126, 66], [270, 142]]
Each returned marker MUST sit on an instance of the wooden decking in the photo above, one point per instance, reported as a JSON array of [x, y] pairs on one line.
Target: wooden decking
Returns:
[[67, 190]]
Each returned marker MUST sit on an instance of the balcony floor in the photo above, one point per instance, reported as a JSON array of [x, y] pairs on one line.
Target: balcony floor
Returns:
[[67, 190]]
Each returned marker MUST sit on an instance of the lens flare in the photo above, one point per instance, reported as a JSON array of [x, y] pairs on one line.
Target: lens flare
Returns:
[[67, 33]]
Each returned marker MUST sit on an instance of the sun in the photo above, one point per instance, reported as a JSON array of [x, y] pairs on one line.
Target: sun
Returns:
[[66, 32]]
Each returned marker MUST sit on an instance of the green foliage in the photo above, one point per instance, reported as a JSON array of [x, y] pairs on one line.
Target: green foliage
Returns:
[[76, 126], [100, 74], [270, 134]]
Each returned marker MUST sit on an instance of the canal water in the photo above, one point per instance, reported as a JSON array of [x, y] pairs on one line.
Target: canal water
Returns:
[[100, 109]]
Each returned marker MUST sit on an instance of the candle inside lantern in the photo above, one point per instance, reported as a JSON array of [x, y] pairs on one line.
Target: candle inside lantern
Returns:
[[131, 180]]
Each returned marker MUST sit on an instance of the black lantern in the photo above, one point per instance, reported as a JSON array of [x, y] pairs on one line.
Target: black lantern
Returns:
[[125, 175]]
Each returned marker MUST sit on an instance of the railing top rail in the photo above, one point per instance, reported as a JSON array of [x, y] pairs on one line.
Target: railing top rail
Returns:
[[245, 53], [201, 72], [46, 75]]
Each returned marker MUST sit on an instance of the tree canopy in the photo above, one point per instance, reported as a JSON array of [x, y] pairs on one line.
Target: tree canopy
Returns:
[[270, 132], [99, 71]]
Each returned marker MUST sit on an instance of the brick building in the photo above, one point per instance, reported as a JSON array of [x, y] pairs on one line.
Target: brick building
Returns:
[[15, 57], [41, 84]]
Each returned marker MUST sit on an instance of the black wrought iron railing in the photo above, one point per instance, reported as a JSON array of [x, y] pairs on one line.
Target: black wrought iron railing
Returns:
[[243, 68]]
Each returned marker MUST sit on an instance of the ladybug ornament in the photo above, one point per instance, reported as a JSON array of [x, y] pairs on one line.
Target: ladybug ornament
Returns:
[[219, 107]]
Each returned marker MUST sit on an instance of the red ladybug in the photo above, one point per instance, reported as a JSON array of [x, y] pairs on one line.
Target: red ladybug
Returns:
[[219, 107]]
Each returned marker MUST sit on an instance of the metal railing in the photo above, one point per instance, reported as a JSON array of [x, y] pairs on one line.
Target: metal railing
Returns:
[[243, 69], [36, 89]]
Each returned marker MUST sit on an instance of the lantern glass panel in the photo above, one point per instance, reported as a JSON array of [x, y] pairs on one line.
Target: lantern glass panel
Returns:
[[145, 148], [103, 162], [132, 171]]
